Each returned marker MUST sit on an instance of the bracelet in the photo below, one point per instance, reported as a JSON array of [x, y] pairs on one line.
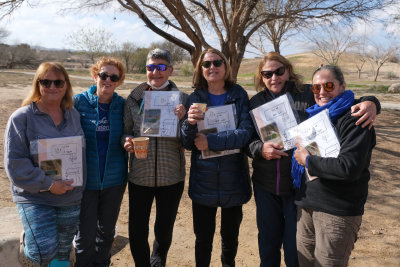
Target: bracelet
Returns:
[[47, 190]]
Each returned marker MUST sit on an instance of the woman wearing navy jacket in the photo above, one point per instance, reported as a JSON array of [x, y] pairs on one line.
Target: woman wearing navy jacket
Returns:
[[220, 181], [101, 111]]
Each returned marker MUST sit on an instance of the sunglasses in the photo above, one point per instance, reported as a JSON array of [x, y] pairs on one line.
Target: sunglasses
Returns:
[[104, 76], [329, 87], [159, 67], [47, 83], [217, 63], [267, 74]]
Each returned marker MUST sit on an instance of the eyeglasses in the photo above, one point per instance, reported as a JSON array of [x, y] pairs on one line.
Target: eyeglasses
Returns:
[[267, 74], [329, 87], [47, 83], [159, 67], [217, 63], [105, 75]]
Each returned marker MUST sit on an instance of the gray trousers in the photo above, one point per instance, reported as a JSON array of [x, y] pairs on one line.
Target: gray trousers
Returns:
[[324, 239]]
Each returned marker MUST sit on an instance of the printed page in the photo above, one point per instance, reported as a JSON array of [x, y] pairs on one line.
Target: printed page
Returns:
[[158, 114], [61, 158], [274, 119], [318, 136], [218, 119]]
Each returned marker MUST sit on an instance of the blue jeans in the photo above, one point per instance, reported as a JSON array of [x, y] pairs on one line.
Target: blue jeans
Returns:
[[49, 231], [276, 222], [99, 215]]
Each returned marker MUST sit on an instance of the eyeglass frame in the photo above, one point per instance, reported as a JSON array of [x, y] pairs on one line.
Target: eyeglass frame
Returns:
[[267, 74], [47, 83], [328, 87], [159, 67], [104, 75]]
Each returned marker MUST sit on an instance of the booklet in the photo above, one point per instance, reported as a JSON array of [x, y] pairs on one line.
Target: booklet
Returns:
[[158, 114], [273, 120], [218, 119], [317, 135], [60, 158]]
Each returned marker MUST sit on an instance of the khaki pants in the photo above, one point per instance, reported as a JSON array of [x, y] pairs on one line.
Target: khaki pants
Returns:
[[324, 239]]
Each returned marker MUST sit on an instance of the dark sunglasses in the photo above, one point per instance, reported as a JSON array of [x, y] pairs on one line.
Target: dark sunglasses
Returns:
[[329, 87], [47, 83], [104, 76], [217, 63], [267, 74], [159, 67]]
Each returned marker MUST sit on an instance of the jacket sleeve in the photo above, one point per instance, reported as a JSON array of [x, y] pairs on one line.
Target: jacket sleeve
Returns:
[[373, 99], [17, 159], [127, 120], [188, 131], [240, 137], [254, 149], [356, 144]]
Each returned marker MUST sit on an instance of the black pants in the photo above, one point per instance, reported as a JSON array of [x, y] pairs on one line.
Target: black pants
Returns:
[[99, 214], [204, 228], [140, 201]]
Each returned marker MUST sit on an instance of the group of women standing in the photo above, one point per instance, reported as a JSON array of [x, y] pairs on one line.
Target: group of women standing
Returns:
[[53, 211]]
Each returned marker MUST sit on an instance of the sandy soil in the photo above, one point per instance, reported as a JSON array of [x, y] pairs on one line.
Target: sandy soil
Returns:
[[379, 237]]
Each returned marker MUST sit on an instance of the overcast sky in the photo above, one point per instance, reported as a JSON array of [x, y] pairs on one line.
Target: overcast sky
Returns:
[[45, 26]]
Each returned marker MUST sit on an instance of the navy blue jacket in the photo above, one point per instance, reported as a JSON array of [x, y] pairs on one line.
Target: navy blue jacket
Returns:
[[115, 170], [221, 181]]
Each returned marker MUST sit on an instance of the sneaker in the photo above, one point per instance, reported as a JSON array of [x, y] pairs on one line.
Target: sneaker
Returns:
[[25, 262]]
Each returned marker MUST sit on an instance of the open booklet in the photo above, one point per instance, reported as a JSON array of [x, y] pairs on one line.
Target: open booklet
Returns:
[[317, 135], [274, 119], [60, 158], [218, 119], [158, 117]]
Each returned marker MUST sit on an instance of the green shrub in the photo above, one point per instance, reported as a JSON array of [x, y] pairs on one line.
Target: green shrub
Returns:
[[187, 69]]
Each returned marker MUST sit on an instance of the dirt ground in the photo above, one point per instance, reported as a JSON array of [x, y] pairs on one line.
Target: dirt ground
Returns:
[[379, 237]]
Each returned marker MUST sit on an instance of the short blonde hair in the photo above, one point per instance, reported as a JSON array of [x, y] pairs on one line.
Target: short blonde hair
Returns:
[[44, 68], [104, 61], [200, 82], [258, 81]]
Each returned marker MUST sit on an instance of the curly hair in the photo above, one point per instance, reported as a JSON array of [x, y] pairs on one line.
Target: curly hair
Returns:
[[104, 61]]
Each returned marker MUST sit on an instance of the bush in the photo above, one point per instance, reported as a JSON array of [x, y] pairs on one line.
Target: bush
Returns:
[[379, 88], [392, 75], [187, 69]]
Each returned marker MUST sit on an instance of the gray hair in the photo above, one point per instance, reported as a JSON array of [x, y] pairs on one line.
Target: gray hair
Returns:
[[159, 53], [334, 69]]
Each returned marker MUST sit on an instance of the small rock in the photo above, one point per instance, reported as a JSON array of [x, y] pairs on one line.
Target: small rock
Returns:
[[376, 232], [394, 88]]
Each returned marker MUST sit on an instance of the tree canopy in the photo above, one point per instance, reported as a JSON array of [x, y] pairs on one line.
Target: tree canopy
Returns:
[[225, 25]]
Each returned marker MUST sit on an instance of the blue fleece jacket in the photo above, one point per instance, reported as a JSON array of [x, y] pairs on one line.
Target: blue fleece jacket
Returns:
[[115, 167]]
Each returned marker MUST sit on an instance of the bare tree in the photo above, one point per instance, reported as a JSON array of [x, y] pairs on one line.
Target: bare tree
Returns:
[[276, 31], [92, 41], [232, 23], [329, 42], [380, 54], [3, 34], [127, 53], [178, 53], [21, 54], [359, 52]]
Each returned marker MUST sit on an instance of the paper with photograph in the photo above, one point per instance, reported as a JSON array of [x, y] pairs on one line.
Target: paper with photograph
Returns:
[[274, 119], [60, 158], [158, 117], [317, 135], [218, 119]]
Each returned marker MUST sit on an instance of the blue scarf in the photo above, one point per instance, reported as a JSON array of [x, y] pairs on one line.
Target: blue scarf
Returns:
[[336, 107]]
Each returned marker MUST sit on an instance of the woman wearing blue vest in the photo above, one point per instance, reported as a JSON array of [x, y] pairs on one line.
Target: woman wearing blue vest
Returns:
[[101, 112]]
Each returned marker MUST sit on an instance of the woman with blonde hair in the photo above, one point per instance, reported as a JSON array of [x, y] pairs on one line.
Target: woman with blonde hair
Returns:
[[101, 110], [49, 209]]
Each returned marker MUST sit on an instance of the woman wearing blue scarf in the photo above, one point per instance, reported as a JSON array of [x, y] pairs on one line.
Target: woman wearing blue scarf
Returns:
[[331, 203]]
